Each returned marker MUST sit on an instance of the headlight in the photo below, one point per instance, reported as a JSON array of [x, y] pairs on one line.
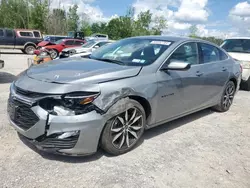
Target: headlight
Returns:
[[76, 99], [245, 64]]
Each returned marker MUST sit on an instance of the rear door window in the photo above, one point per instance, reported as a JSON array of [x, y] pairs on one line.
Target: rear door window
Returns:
[[26, 34], [78, 42], [69, 42], [209, 53]]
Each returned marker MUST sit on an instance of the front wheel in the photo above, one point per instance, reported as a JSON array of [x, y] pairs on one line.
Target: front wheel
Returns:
[[53, 53], [123, 131], [226, 98]]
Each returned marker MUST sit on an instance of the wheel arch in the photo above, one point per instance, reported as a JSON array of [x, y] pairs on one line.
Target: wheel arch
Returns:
[[29, 44], [234, 80]]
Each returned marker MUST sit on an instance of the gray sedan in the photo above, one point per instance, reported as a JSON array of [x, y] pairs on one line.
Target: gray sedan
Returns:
[[73, 106]]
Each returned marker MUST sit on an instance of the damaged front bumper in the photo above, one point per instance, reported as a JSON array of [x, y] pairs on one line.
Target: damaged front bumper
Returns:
[[66, 135]]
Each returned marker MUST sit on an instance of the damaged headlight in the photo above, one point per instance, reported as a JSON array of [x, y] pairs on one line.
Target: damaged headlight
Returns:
[[74, 99]]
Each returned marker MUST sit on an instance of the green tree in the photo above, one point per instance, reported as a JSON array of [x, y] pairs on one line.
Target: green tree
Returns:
[[160, 24], [73, 18], [193, 31]]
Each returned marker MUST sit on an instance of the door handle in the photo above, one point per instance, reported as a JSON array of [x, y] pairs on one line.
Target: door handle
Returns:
[[198, 73], [224, 69]]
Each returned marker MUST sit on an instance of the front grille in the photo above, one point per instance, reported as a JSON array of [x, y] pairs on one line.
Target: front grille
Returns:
[[21, 114], [29, 94], [53, 142]]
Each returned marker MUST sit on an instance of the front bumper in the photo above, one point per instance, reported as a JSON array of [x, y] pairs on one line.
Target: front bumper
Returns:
[[43, 133]]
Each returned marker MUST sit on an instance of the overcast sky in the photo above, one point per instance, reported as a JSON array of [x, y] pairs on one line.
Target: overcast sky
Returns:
[[213, 17]]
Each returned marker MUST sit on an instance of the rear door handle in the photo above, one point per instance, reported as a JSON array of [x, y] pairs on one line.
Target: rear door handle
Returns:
[[198, 73], [224, 69]]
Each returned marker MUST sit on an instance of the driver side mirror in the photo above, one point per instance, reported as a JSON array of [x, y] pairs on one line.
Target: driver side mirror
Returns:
[[176, 65]]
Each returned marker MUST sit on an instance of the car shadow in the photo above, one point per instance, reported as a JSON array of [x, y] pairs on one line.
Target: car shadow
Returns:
[[161, 129], [6, 77]]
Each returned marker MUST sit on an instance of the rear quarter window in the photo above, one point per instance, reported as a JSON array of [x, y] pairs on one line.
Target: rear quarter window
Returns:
[[36, 34]]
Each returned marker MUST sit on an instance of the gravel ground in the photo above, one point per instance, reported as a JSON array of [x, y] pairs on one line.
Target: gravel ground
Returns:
[[205, 149]]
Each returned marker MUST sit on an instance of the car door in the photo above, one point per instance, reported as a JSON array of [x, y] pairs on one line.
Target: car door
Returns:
[[180, 91], [69, 43], [215, 69], [8, 41]]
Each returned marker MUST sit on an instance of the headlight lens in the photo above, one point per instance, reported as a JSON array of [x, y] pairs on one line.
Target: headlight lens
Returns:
[[79, 99]]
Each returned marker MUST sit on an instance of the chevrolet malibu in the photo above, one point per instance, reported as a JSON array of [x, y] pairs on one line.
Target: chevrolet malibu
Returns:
[[74, 106]]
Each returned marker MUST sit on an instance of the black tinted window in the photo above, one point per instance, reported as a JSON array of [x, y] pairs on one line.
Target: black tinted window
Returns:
[[237, 45], [1, 33], [102, 43], [187, 53], [209, 53], [26, 34], [69, 42], [9, 33], [78, 42], [36, 34]]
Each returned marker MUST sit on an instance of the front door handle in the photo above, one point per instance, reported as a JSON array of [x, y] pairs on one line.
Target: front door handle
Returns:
[[198, 73]]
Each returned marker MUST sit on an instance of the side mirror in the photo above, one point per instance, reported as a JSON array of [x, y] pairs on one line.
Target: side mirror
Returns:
[[176, 65], [96, 46]]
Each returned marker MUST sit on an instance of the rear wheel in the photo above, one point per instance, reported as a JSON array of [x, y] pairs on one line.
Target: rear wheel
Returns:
[[29, 49], [123, 131], [226, 98], [23, 51]]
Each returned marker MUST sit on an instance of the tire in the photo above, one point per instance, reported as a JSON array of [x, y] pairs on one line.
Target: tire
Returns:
[[226, 98], [118, 136], [245, 85], [29, 49], [54, 53]]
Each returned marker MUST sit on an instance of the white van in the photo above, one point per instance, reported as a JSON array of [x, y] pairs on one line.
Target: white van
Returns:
[[239, 49]]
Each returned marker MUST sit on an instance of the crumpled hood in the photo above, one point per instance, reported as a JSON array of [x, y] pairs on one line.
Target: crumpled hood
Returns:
[[80, 70], [45, 43]]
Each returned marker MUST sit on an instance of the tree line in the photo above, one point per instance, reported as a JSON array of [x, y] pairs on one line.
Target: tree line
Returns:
[[38, 14]]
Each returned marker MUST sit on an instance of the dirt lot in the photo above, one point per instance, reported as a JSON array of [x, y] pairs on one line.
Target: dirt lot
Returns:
[[202, 150]]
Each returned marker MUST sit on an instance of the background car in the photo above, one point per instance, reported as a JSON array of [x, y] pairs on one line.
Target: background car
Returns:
[[25, 40], [59, 45], [97, 36], [84, 50], [72, 107], [54, 38], [239, 49]]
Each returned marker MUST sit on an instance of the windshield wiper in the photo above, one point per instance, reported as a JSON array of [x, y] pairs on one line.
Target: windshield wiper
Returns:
[[110, 61]]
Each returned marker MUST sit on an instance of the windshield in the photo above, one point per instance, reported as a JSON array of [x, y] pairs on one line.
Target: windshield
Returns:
[[237, 45], [88, 44], [133, 51], [59, 41]]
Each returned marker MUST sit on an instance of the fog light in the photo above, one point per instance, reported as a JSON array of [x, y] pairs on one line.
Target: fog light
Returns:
[[68, 134]]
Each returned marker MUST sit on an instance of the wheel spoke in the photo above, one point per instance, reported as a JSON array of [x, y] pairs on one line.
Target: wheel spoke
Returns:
[[127, 140], [121, 120], [117, 136], [133, 115], [122, 141], [135, 120], [116, 130], [133, 133], [126, 116], [136, 128]]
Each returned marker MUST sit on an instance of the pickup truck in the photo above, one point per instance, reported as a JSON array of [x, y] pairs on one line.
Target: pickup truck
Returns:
[[22, 39]]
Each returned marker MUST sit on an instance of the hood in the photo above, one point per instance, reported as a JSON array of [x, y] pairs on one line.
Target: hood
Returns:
[[80, 70], [45, 43], [240, 56], [77, 49]]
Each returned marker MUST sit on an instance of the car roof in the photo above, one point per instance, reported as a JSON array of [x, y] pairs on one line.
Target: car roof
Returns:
[[165, 37], [238, 38]]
